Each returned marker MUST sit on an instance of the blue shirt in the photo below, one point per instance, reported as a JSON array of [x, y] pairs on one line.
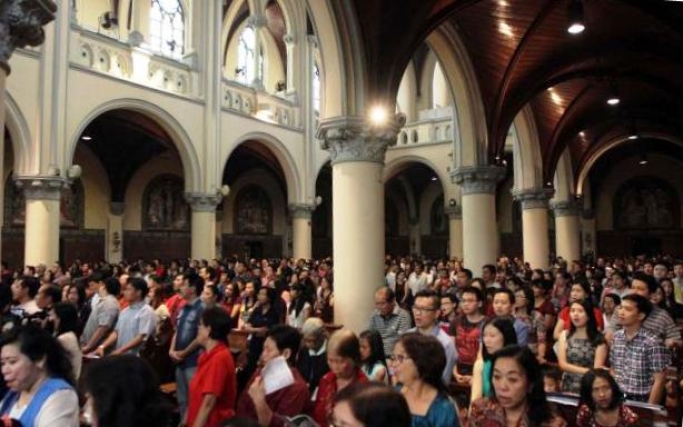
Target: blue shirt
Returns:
[[186, 331], [441, 412], [136, 319]]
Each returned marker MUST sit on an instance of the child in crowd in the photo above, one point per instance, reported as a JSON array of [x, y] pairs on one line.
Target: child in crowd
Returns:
[[373, 359]]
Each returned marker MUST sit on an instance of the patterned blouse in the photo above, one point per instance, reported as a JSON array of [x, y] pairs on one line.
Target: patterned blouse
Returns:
[[586, 418], [487, 412]]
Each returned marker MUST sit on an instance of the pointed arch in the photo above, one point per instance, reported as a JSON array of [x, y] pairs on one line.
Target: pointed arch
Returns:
[[19, 133], [527, 151]]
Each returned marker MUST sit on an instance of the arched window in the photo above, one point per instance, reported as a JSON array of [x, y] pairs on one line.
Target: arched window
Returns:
[[244, 73], [167, 27], [316, 88]]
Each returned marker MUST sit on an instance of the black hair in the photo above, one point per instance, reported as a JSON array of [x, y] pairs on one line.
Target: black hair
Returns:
[[285, 337], [68, 318], [38, 344], [376, 348], [468, 273], [301, 299], [538, 409], [594, 335], [80, 290], [139, 285], [586, 392], [475, 291], [53, 292], [112, 286], [506, 328], [193, 280], [428, 293], [613, 297], [428, 356], [375, 405], [219, 321], [346, 344], [642, 304], [490, 267], [452, 297], [529, 296], [508, 292], [125, 393], [650, 281], [31, 283]]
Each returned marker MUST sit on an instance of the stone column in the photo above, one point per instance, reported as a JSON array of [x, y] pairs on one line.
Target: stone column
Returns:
[[203, 224], [302, 239], [291, 72], [114, 240], [534, 203], [21, 23], [480, 233], [454, 231], [41, 236], [567, 233], [415, 237], [357, 151], [257, 22]]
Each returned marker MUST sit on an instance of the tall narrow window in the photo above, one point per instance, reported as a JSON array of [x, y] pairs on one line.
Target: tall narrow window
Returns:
[[244, 73], [167, 27], [316, 89]]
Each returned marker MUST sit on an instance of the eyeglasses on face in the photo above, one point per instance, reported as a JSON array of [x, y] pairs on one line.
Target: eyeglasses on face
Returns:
[[399, 358], [421, 310]]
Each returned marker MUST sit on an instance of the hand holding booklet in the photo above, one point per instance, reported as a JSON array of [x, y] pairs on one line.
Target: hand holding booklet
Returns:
[[276, 375]]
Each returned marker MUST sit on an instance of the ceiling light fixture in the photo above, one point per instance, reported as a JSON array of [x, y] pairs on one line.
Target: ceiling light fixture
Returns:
[[633, 131], [86, 137], [643, 158], [576, 21], [613, 99]]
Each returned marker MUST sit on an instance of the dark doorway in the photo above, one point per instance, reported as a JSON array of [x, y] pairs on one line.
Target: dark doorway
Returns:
[[648, 246], [254, 249]]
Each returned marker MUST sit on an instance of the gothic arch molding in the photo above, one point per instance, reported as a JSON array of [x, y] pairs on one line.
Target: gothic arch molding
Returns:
[[20, 135]]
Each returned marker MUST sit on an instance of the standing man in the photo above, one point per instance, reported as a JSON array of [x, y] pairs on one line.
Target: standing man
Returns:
[[184, 349], [638, 357], [136, 323], [426, 310], [503, 306], [103, 317], [389, 319]]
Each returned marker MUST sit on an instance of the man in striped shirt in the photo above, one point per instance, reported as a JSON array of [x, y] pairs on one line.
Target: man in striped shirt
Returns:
[[389, 319]]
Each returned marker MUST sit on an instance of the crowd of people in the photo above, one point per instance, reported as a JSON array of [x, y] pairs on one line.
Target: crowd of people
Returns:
[[92, 344]]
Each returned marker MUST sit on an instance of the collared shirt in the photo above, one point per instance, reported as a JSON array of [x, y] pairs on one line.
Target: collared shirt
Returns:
[[448, 346], [136, 319], [390, 327], [659, 323], [188, 327], [636, 360], [105, 313], [215, 376]]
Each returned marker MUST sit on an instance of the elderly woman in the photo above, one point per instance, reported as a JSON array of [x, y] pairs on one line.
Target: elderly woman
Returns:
[[38, 372], [312, 359], [419, 361], [343, 358]]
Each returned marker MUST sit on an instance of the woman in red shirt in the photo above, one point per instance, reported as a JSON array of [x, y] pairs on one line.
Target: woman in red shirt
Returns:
[[213, 388], [343, 357]]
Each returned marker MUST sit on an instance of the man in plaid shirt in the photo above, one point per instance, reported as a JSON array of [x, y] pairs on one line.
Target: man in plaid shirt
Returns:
[[638, 357]]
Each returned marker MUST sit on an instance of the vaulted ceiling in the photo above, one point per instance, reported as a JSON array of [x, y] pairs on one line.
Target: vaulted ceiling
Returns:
[[523, 55]]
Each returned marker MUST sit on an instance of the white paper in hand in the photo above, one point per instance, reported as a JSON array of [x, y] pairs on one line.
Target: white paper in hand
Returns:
[[276, 375]]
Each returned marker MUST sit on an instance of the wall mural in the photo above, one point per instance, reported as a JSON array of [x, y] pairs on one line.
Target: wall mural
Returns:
[[646, 203], [254, 214], [438, 221], [163, 205], [71, 206]]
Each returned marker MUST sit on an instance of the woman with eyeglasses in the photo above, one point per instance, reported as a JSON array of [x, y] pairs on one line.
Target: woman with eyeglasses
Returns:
[[343, 358], [418, 362]]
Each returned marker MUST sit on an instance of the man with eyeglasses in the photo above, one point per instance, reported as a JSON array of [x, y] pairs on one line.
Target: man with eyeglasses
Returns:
[[426, 310], [389, 319]]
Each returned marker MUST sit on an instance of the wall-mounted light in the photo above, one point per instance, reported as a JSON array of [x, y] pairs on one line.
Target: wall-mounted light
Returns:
[[224, 190], [116, 241], [452, 203], [318, 200], [74, 172]]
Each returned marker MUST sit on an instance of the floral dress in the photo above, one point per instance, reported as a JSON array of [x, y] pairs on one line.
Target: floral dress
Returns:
[[580, 352], [586, 418]]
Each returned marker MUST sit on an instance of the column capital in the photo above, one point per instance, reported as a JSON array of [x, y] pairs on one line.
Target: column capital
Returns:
[[354, 139], [533, 198], [41, 187], [203, 202], [453, 212], [301, 210], [257, 21], [21, 24], [565, 208], [116, 208], [478, 179], [289, 39]]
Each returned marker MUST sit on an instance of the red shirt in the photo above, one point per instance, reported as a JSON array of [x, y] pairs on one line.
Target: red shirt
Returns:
[[286, 402], [216, 376], [174, 304], [564, 315], [467, 339], [327, 389]]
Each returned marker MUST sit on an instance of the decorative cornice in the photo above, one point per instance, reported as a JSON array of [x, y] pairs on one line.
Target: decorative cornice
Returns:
[[301, 210], [453, 212], [533, 198], [203, 202], [565, 208], [478, 179], [353, 139], [41, 187], [21, 24], [116, 208]]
